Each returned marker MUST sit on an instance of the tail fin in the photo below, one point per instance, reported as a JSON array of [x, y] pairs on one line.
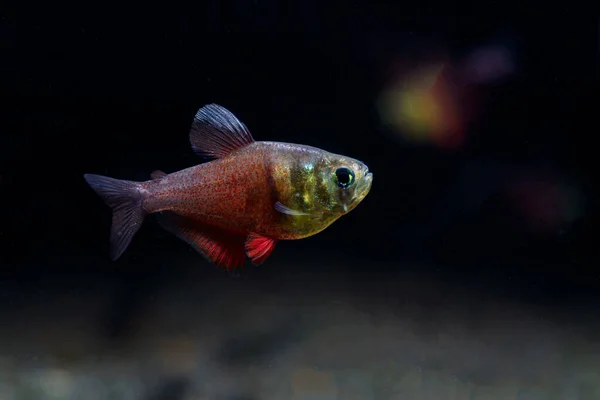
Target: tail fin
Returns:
[[125, 200]]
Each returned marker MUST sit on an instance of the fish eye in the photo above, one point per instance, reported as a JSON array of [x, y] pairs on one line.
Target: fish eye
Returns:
[[344, 177]]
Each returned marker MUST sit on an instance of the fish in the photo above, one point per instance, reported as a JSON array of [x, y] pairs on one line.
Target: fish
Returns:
[[243, 199]]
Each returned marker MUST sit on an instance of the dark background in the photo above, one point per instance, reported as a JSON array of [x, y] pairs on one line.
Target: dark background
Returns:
[[112, 90]]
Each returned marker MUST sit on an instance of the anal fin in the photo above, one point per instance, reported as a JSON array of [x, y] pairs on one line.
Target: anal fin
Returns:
[[259, 248], [220, 247]]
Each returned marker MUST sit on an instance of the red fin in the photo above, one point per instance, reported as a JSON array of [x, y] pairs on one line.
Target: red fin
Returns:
[[220, 247], [216, 132], [259, 248], [158, 174]]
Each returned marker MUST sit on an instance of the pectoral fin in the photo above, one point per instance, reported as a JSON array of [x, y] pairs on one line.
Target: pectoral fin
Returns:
[[282, 208]]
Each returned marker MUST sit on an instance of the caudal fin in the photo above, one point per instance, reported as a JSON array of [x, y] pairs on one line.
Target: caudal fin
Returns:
[[125, 200]]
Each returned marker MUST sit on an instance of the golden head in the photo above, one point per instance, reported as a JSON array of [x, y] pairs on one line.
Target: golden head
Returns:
[[315, 187], [348, 183]]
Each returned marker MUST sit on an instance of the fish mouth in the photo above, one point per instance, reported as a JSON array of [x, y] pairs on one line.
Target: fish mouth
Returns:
[[366, 185], [362, 190], [368, 181]]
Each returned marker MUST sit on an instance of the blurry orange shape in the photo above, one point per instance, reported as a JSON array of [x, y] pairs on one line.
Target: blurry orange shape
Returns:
[[422, 108], [417, 113]]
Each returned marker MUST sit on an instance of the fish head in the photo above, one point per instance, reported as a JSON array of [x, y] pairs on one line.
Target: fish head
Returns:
[[348, 182], [315, 187]]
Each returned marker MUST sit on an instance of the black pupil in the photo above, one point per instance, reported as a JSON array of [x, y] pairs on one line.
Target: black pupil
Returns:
[[344, 176]]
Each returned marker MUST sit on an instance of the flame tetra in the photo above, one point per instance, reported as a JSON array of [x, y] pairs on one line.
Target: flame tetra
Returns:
[[241, 203]]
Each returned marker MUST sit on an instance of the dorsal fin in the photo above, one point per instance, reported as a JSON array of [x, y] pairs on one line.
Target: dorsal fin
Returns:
[[216, 132]]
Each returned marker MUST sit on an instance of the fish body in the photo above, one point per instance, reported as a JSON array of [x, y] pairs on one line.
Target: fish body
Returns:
[[251, 195]]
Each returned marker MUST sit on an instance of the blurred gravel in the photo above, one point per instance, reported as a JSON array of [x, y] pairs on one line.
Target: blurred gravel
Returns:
[[235, 340]]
